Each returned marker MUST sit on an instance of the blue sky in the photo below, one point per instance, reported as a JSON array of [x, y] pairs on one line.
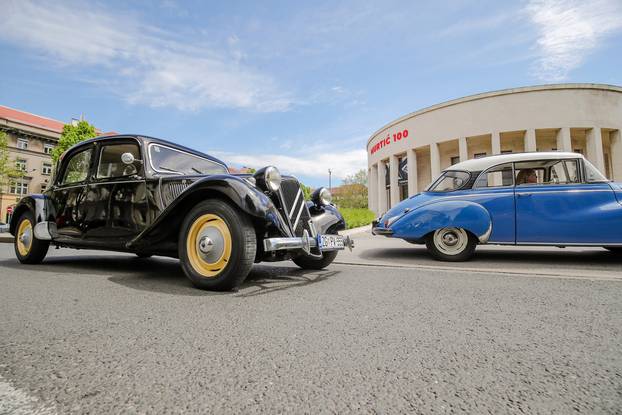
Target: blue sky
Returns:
[[294, 84]]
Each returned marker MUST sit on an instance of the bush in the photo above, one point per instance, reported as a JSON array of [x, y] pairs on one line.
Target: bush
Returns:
[[356, 217]]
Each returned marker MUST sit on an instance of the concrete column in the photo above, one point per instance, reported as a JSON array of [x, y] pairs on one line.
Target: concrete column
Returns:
[[394, 166], [616, 155], [372, 191], [530, 140], [382, 193], [564, 142], [495, 142], [594, 146], [435, 161], [463, 148], [411, 160]]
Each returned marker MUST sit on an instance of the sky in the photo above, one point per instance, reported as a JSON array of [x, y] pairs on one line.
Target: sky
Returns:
[[299, 85]]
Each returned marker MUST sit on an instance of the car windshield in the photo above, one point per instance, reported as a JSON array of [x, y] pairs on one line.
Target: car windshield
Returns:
[[170, 160], [449, 181]]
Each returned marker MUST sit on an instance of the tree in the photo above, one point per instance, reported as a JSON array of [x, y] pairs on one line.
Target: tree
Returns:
[[306, 191], [72, 134], [8, 170], [360, 177]]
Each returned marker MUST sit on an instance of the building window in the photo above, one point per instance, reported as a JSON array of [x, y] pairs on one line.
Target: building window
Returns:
[[22, 143], [46, 169], [47, 148], [578, 150], [506, 151], [454, 160], [20, 164], [43, 187], [19, 188], [479, 155]]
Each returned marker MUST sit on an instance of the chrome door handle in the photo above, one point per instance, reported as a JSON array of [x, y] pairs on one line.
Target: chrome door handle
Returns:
[[524, 194]]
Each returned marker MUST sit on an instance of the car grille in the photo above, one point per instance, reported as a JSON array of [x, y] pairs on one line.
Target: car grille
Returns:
[[294, 206]]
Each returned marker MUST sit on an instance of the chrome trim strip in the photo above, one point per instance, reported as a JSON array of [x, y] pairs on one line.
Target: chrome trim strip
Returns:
[[294, 204], [536, 191], [302, 205]]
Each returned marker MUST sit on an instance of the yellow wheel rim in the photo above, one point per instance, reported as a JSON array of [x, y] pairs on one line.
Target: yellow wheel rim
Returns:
[[209, 245], [24, 237]]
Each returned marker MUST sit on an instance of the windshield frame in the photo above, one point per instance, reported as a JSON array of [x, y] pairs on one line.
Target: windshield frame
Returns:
[[168, 147], [442, 176]]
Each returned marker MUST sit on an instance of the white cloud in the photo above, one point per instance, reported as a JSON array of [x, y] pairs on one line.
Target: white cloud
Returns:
[[568, 30], [146, 65], [341, 163]]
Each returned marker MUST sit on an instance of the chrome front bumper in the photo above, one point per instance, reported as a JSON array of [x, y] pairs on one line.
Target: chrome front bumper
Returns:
[[305, 242]]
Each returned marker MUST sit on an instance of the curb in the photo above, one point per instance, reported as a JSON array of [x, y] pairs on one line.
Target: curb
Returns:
[[6, 238], [354, 231]]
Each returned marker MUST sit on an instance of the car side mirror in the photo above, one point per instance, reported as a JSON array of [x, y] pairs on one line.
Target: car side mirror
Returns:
[[128, 158]]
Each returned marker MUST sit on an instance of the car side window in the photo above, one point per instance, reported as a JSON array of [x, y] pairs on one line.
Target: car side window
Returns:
[[543, 172], [77, 167], [498, 176], [110, 163]]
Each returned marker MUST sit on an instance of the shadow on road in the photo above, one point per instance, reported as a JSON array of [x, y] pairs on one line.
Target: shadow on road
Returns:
[[551, 257], [164, 275]]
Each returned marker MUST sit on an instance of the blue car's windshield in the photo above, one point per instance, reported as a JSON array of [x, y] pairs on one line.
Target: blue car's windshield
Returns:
[[449, 181]]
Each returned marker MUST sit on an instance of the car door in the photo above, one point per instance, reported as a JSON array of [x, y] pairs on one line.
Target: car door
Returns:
[[68, 195], [494, 190], [559, 207], [118, 195]]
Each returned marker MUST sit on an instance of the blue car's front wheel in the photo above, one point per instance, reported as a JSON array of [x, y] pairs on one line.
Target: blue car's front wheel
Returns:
[[451, 244]]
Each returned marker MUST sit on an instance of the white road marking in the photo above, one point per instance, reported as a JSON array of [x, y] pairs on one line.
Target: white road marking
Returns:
[[17, 402]]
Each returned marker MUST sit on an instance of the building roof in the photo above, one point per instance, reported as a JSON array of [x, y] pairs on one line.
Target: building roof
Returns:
[[484, 163], [27, 118], [519, 90]]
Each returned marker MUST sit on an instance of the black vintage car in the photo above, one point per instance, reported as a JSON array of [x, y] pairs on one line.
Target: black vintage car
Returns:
[[148, 196]]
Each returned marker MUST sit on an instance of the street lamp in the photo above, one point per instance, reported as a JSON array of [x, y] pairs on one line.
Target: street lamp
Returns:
[[330, 187]]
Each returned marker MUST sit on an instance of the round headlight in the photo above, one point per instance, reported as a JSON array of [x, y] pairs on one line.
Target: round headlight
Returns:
[[272, 178], [322, 197]]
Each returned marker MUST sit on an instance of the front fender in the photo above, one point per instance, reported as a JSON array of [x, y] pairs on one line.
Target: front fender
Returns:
[[326, 218], [456, 213], [248, 199], [36, 203]]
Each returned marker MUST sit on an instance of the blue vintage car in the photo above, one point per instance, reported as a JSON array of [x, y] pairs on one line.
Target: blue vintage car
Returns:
[[554, 198]]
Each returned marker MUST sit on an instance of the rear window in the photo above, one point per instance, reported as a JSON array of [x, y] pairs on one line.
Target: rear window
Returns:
[[450, 181]]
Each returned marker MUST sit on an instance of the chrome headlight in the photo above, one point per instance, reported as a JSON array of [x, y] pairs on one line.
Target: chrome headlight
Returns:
[[273, 178], [268, 178], [322, 197]]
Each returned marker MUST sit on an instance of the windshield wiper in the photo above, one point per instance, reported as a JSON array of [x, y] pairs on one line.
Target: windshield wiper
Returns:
[[170, 170]]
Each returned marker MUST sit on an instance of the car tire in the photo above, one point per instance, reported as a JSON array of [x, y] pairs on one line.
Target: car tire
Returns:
[[305, 261], [614, 249], [28, 249], [217, 246], [451, 244]]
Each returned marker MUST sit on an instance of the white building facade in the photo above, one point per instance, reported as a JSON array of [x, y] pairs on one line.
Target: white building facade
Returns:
[[406, 154]]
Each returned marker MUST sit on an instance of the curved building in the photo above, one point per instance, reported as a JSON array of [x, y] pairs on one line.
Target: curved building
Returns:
[[406, 154]]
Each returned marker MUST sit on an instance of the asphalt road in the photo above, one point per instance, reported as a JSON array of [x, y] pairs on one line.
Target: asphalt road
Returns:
[[90, 332]]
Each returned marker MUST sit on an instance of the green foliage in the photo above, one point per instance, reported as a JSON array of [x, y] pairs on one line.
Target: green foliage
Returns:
[[356, 217], [350, 196], [72, 135], [306, 191], [360, 177], [7, 166]]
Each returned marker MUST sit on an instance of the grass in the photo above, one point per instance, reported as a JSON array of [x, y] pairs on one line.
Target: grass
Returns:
[[356, 217]]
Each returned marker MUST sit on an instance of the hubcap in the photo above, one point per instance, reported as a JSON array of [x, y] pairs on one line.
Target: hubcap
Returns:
[[451, 241], [209, 245], [24, 237]]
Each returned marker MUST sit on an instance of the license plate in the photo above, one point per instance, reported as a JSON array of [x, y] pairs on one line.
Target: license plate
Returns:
[[330, 242]]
